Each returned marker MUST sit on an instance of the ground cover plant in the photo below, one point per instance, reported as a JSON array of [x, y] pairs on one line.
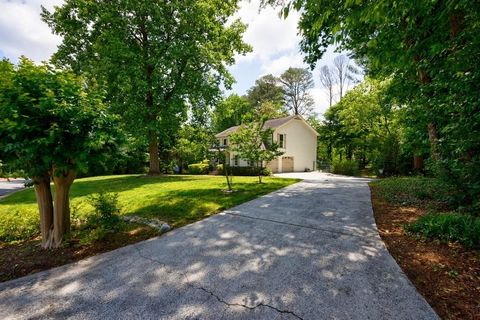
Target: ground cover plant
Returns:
[[435, 242]]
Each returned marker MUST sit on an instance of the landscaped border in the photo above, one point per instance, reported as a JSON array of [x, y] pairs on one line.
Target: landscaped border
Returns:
[[447, 275]]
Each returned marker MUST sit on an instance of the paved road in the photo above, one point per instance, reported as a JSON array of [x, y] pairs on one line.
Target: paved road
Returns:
[[7, 187], [309, 251]]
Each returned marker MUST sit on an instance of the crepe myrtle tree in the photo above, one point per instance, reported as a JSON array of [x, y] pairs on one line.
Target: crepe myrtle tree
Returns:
[[51, 124], [254, 143]]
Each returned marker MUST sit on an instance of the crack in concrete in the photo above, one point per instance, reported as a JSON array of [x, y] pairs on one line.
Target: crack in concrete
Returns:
[[261, 304], [218, 298]]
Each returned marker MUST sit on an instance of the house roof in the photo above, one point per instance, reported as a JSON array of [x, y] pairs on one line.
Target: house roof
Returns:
[[269, 124]]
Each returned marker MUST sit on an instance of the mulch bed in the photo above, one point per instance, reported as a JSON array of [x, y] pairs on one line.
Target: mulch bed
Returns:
[[26, 257], [447, 275]]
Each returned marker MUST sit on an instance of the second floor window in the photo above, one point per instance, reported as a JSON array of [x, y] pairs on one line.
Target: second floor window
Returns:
[[282, 141], [224, 142]]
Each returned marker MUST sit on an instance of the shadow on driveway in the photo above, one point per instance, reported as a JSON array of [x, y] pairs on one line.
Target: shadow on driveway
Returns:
[[308, 251]]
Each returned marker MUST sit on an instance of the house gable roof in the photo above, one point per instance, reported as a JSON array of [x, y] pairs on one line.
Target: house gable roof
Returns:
[[269, 124]]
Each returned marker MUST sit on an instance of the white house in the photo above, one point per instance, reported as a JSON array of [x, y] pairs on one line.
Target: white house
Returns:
[[297, 140]]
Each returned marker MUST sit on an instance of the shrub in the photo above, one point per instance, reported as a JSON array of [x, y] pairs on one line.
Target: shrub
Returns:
[[167, 167], [419, 191], [198, 168], [461, 228], [105, 204], [346, 167], [105, 220], [244, 171], [20, 224]]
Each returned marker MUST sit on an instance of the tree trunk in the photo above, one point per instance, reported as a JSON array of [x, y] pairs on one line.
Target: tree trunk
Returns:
[[260, 174], [417, 163], [61, 205], [43, 194], [154, 157], [433, 137]]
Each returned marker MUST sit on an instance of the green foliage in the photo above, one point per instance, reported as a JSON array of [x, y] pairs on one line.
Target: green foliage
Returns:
[[346, 167], [177, 200], [20, 223], [267, 97], [464, 177], [155, 59], [104, 221], [449, 227], [49, 119], [105, 204], [366, 127], [296, 83], [253, 143], [198, 168], [417, 191], [245, 171], [230, 112], [429, 50]]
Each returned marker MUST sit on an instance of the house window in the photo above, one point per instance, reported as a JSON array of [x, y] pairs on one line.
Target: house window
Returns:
[[235, 161], [224, 142], [282, 141]]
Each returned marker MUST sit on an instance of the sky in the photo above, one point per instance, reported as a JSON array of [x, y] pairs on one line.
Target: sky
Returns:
[[275, 42]]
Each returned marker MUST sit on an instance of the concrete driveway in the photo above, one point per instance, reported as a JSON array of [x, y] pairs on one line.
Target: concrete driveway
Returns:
[[309, 251], [7, 187]]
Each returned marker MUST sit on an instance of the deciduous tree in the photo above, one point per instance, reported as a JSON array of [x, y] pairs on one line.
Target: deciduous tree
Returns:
[[51, 125], [431, 51], [153, 57], [253, 143], [327, 81]]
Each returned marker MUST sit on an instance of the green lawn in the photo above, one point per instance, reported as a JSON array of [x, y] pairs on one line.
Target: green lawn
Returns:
[[178, 199]]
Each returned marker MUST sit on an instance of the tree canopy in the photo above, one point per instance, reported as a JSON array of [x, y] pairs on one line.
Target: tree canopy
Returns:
[[154, 58], [296, 83], [51, 126], [266, 90], [254, 143], [430, 51]]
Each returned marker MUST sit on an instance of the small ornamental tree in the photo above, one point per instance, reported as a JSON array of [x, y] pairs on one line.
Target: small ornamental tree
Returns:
[[50, 125], [253, 143]]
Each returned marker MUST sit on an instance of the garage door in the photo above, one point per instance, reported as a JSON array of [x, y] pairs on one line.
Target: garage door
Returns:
[[273, 165], [287, 164]]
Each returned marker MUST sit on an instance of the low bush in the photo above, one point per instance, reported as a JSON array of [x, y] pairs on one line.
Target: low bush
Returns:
[[198, 168], [105, 204], [244, 171], [418, 191], [20, 224], [346, 167], [454, 227], [104, 221]]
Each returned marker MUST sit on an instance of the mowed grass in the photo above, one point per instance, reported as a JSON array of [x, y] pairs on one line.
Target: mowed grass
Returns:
[[177, 200]]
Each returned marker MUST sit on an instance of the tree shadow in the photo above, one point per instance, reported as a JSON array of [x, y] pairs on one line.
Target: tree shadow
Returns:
[[87, 186], [293, 254]]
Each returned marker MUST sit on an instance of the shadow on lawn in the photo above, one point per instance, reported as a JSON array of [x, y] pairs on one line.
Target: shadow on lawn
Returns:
[[179, 207], [86, 186], [273, 258]]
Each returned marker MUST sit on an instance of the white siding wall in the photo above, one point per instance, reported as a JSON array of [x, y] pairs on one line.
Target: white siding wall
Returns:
[[301, 144]]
